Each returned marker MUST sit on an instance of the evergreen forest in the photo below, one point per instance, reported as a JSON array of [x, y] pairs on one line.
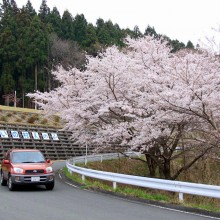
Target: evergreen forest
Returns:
[[33, 43]]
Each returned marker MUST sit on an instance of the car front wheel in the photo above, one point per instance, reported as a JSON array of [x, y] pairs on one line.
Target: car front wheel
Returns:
[[50, 186], [11, 185]]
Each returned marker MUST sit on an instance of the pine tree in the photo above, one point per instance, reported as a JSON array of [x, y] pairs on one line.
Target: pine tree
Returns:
[[176, 45], [150, 31], [44, 11], [67, 26], [14, 7], [80, 27], [24, 22], [119, 36], [38, 45], [103, 33], [189, 45], [7, 82], [8, 46], [137, 32], [54, 20], [29, 9], [90, 44]]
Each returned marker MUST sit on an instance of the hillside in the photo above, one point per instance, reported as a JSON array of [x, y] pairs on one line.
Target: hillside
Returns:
[[12, 115], [34, 43]]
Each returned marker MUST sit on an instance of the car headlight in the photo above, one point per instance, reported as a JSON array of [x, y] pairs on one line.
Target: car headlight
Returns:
[[49, 169], [18, 170]]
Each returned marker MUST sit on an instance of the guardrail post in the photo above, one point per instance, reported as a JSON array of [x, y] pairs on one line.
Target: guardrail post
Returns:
[[101, 158], [83, 178], [181, 197], [86, 154], [114, 185]]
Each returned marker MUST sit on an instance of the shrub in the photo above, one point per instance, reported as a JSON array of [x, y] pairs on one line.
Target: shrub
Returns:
[[44, 121], [3, 118], [32, 119], [56, 119], [9, 114], [18, 120]]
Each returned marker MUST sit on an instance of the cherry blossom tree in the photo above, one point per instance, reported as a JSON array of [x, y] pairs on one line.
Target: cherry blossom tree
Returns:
[[144, 99], [212, 42]]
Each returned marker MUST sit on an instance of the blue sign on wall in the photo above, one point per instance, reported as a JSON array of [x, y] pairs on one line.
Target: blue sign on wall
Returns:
[[54, 136], [35, 135], [25, 135], [15, 134], [3, 134], [45, 136], [29, 135]]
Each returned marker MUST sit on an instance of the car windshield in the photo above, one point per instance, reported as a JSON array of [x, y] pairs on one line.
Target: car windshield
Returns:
[[28, 157]]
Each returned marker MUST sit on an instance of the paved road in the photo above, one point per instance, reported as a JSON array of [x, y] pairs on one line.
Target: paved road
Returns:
[[68, 203]]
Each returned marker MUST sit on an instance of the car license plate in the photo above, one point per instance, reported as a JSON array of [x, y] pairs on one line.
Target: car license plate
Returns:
[[35, 178]]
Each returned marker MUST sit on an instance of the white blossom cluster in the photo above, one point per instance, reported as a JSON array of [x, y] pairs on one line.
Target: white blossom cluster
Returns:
[[135, 96]]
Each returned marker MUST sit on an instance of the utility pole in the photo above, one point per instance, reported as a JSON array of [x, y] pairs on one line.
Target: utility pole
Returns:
[[35, 104], [15, 99]]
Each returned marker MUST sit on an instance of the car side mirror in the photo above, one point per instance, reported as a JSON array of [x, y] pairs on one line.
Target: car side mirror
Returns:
[[48, 160], [6, 162]]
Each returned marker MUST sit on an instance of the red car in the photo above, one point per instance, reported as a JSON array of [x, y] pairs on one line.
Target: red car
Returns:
[[26, 167]]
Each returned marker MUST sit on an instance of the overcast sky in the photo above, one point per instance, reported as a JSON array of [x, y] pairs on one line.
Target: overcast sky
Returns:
[[178, 19]]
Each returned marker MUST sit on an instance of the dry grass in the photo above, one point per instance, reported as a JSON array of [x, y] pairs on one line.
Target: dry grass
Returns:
[[24, 116], [9, 108]]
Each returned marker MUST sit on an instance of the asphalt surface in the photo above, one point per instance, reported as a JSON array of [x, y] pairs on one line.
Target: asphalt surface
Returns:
[[67, 202]]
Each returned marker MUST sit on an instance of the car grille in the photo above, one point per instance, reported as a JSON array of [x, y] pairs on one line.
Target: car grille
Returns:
[[28, 179], [34, 171]]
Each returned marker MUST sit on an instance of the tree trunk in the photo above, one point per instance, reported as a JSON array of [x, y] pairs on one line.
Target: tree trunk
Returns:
[[189, 164], [151, 165], [35, 74], [166, 169]]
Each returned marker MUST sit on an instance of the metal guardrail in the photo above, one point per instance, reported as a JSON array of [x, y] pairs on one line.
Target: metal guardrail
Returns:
[[167, 185]]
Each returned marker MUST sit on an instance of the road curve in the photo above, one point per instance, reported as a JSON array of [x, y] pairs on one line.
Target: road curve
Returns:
[[68, 203]]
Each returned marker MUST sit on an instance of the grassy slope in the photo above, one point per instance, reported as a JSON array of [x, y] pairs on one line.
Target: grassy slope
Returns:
[[15, 109], [26, 116]]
